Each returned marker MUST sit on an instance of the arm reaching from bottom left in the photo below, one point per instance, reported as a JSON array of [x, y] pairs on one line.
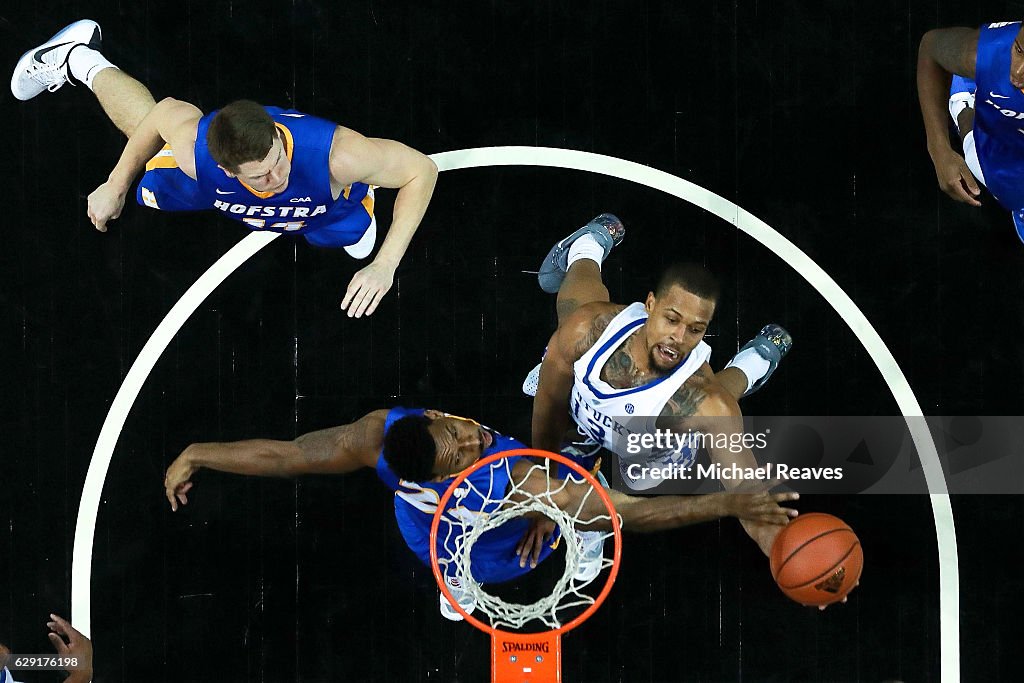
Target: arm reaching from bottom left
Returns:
[[661, 512]]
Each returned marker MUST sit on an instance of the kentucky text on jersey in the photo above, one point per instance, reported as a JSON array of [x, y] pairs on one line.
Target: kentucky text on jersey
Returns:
[[593, 420]]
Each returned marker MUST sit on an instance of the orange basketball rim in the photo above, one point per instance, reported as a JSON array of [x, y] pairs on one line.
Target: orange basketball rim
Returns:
[[518, 656]]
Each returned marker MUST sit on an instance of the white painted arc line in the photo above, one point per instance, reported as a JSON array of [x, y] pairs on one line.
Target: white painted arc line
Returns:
[[88, 509], [942, 512], [594, 163]]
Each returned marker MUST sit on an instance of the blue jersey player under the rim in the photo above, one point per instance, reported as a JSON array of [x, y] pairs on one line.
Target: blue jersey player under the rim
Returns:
[[272, 169], [978, 73], [416, 453]]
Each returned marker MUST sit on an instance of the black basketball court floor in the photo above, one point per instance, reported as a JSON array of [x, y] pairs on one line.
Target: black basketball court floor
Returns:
[[803, 115]]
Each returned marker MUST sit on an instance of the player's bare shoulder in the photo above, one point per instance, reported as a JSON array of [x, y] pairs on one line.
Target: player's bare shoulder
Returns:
[[955, 49], [371, 428], [177, 122], [347, 156], [585, 326]]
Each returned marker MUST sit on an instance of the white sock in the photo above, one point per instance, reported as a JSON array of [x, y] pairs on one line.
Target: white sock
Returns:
[[588, 248], [752, 364], [85, 63]]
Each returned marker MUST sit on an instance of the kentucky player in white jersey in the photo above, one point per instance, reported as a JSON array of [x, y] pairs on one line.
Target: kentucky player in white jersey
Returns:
[[416, 453], [978, 73], [622, 369], [271, 169], [607, 415]]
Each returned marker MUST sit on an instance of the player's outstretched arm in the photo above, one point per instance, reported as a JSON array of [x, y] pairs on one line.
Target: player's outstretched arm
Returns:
[[338, 450], [661, 512], [171, 121], [942, 53], [670, 512], [710, 409], [384, 163], [551, 404]]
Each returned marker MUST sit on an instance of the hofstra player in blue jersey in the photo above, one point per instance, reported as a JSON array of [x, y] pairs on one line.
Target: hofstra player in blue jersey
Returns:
[[416, 453], [978, 74], [271, 169]]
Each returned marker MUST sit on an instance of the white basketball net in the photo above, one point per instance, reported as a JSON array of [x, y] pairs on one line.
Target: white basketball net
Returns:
[[463, 531]]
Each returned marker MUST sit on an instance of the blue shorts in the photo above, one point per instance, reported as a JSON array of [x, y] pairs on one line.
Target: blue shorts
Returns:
[[169, 189], [960, 84], [494, 558]]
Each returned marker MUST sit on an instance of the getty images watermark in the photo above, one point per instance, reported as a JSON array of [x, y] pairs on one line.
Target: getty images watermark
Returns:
[[829, 455], [667, 441], [674, 458]]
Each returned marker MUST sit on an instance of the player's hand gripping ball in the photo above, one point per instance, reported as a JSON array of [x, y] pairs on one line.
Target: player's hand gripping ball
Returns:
[[816, 559]]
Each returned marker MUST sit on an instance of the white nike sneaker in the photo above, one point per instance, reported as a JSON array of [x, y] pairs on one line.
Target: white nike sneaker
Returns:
[[465, 600], [45, 67]]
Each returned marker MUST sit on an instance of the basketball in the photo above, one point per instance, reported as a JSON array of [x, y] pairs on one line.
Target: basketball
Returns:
[[816, 559]]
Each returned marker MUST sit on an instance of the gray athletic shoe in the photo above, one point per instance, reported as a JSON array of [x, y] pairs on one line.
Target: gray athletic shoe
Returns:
[[606, 229], [772, 344], [591, 556], [463, 597], [45, 67]]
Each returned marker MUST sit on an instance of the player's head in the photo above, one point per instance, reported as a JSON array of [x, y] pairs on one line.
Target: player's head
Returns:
[[246, 144], [679, 311], [1017, 60], [434, 446]]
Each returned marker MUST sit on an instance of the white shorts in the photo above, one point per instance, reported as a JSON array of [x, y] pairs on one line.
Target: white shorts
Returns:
[[971, 157], [957, 103]]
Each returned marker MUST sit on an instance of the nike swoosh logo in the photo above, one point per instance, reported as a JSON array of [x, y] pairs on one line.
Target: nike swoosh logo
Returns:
[[1002, 97], [38, 56], [222, 192]]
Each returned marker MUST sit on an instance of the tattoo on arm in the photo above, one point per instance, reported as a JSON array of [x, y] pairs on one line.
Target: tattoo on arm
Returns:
[[594, 332], [318, 446], [566, 308], [687, 399], [336, 449], [685, 402]]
